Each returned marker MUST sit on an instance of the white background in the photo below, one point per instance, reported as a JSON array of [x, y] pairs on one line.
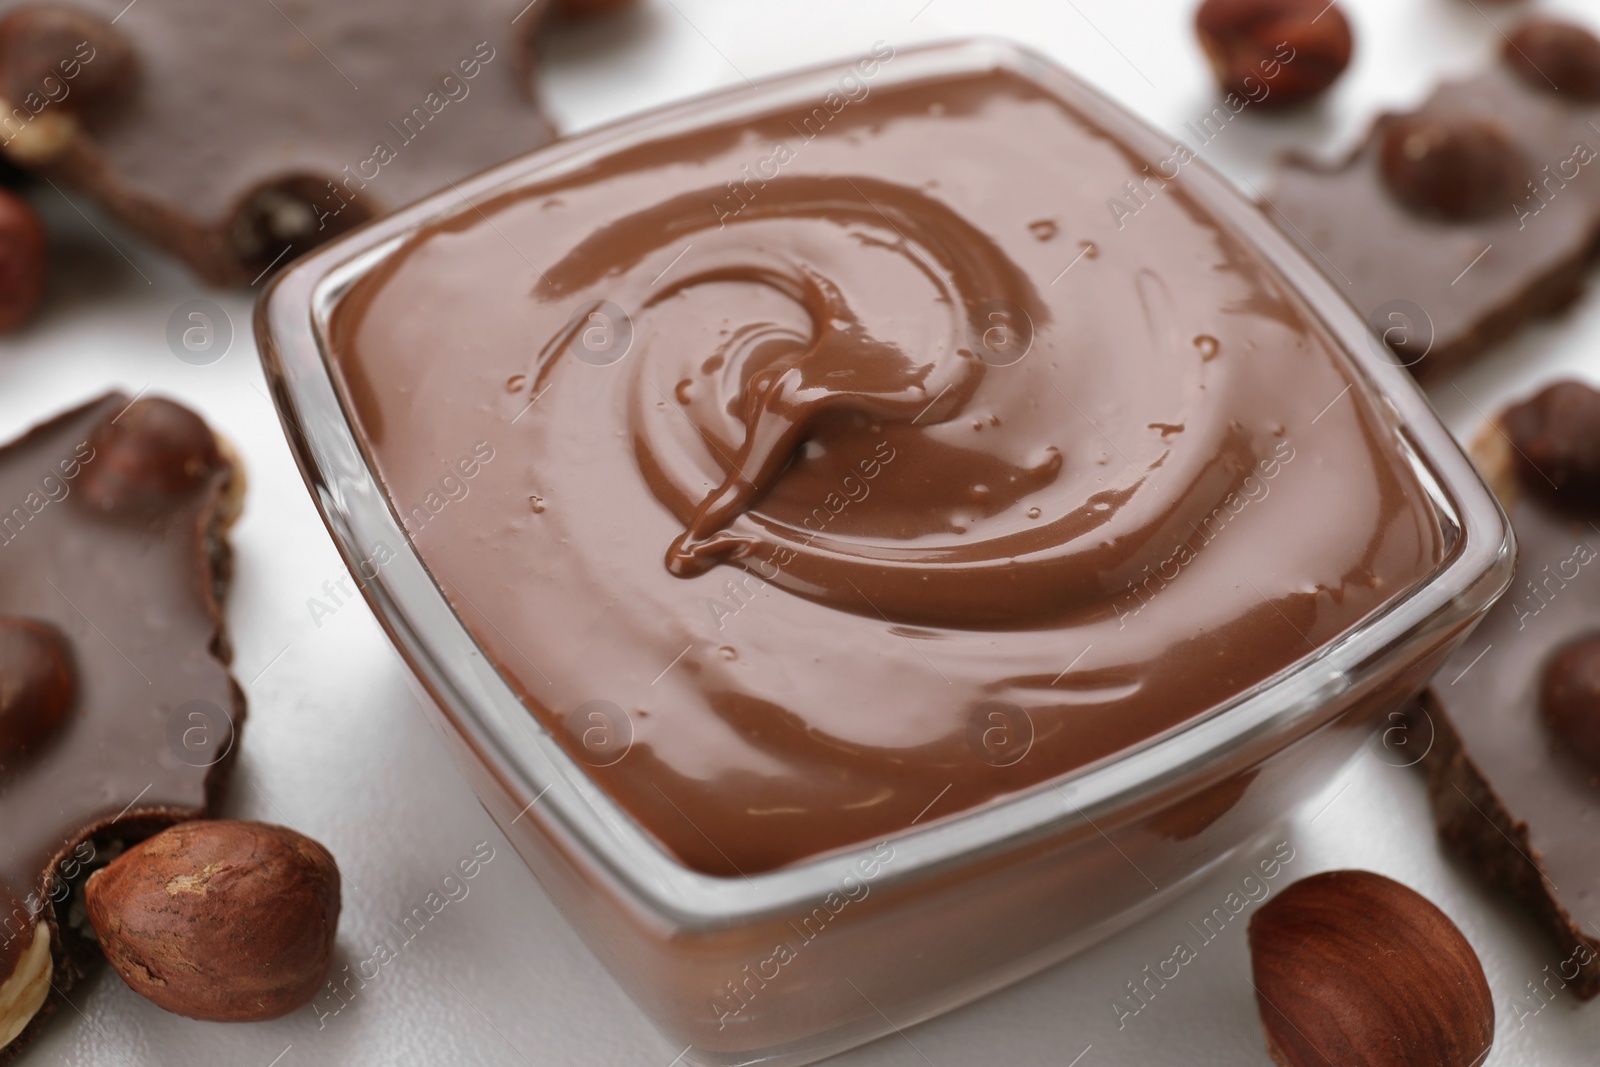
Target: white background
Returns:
[[335, 745]]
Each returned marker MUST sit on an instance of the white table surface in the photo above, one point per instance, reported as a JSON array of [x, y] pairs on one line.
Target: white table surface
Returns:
[[336, 746]]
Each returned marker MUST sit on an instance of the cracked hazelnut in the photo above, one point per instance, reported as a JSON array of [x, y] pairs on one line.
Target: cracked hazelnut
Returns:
[[1556, 436], [1355, 969], [36, 685], [1569, 698], [22, 262], [1556, 57], [1275, 53], [24, 991], [1454, 168], [219, 920], [154, 452]]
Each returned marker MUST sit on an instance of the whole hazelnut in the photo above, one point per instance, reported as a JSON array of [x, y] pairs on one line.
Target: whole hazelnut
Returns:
[[1556, 435], [219, 920], [23, 262], [1453, 168], [64, 58], [1355, 969], [1275, 53], [1569, 698], [1556, 57], [151, 454], [37, 687]]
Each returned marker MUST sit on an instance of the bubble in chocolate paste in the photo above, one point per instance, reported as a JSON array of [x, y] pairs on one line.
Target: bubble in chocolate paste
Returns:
[[1406, 737], [1000, 733], [199, 733], [1209, 347], [601, 333], [1402, 332], [603, 732], [515, 383], [199, 332], [1000, 332], [1044, 229]]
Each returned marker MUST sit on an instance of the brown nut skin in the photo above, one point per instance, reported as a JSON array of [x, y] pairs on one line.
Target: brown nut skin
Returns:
[[1455, 169], [1296, 49], [1555, 57], [37, 685], [1355, 969], [1556, 435], [148, 456], [1569, 698], [24, 262], [60, 57], [219, 920]]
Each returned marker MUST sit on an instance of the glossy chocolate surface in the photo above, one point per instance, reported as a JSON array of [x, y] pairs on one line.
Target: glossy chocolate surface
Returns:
[[842, 470], [131, 593]]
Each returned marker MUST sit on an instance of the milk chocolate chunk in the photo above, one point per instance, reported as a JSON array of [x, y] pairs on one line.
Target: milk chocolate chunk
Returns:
[[1452, 225], [1514, 771], [237, 137], [830, 487], [117, 713]]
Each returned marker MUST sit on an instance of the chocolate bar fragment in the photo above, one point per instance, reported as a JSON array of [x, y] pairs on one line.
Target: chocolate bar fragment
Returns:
[[1513, 793], [1454, 224], [117, 712], [237, 137]]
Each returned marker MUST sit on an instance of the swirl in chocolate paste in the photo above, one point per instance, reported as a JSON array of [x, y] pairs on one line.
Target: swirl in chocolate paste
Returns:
[[812, 539]]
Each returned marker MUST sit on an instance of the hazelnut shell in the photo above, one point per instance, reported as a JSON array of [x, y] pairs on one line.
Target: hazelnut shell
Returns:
[[219, 920], [1355, 969]]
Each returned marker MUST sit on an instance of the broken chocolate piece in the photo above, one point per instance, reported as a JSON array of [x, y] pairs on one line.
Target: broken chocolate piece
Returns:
[[110, 637], [1511, 790], [238, 138], [1448, 259]]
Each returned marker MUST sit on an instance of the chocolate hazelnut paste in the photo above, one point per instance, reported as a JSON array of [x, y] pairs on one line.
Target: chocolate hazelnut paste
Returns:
[[822, 474]]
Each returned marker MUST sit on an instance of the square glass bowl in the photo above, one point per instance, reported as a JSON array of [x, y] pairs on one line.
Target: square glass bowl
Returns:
[[798, 963]]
